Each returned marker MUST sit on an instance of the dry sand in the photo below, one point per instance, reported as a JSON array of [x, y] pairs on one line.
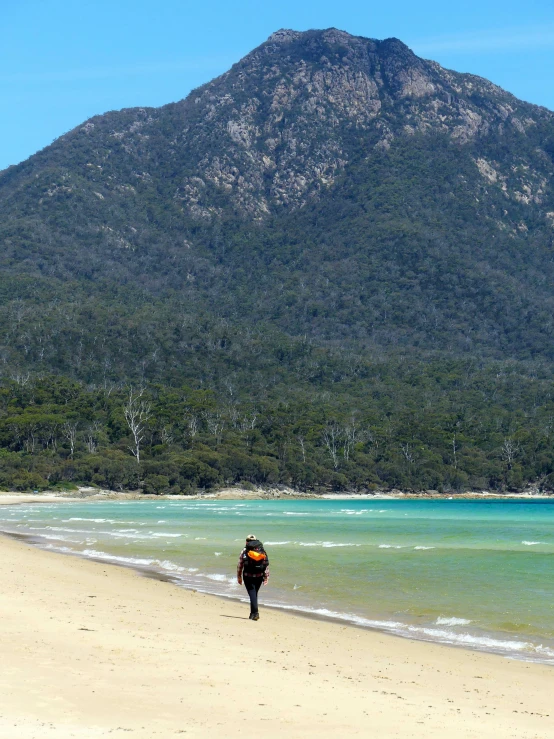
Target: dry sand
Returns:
[[93, 650]]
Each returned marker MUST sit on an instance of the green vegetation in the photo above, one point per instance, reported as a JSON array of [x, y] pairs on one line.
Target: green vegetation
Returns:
[[448, 425]]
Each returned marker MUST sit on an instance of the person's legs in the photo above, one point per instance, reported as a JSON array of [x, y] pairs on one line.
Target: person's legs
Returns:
[[252, 585]]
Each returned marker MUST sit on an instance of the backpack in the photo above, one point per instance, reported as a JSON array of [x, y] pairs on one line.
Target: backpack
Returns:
[[256, 560]]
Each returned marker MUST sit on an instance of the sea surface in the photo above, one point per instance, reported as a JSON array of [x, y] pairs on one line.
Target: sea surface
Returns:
[[477, 574]]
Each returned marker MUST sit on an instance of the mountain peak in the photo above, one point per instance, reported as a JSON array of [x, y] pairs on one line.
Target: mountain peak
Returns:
[[283, 36], [334, 36], [290, 116], [277, 130]]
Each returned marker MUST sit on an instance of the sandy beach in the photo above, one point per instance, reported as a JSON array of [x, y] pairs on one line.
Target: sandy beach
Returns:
[[93, 650], [238, 493]]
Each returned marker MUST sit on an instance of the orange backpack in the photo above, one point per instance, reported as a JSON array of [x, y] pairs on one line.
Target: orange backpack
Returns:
[[256, 560]]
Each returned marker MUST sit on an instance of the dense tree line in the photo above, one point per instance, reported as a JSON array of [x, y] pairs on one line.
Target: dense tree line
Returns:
[[448, 425]]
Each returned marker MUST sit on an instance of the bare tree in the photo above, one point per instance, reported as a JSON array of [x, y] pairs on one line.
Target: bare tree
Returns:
[[454, 452], [509, 451], [137, 412], [351, 435], [166, 436], [248, 422], [215, 424], [301, 441], [69, 430], [192, 423], [331, 437], [408, 454], [233, 416], [91, 438], [21, 378]]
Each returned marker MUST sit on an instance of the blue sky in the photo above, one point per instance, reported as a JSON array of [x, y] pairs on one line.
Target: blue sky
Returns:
[[62, 61]]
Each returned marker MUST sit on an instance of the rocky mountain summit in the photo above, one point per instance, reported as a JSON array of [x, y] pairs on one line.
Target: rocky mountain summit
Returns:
[[280, 126], [328, 185], [292, 114]]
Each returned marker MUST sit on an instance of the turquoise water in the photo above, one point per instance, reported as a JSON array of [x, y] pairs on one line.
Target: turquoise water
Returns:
[[473, 573]]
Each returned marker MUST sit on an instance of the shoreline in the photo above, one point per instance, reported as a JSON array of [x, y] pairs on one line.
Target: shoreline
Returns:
[[92, 495], [499, 644], [95, 650]]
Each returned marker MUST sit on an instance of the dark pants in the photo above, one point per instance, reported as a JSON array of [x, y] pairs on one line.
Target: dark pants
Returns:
[[252, 585]]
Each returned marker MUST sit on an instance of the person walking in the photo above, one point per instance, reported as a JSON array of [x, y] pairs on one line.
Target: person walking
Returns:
[[253, 569]]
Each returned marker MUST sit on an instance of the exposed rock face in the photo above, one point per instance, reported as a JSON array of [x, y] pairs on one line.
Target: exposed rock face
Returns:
[[280, 125], [287, 113]]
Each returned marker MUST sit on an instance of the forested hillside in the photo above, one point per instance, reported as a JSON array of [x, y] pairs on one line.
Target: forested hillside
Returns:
[[330, 267]]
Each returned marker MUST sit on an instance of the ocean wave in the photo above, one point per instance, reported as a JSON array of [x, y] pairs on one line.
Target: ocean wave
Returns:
[[453, 621], [531, 543], [391, 546], [160, 565], [216, 577], [421, 547], [324, 544], [507, 647], [118, 534], [135, 561], [272, 543], [94, 520], [356, 512], [329, 544]]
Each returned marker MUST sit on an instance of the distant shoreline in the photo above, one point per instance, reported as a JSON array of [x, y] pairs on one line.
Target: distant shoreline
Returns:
[[98, 495]]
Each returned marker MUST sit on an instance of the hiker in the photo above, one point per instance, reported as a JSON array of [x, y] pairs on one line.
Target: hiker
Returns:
[[253, 568]]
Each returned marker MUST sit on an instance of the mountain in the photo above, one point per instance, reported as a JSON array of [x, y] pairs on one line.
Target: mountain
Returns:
[[291, 232], [331, 185]]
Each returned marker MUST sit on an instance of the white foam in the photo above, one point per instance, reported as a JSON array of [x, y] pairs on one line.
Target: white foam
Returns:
[[507, 647], [94, 520], [531, 543], [390, 546], [216, 577], [140, 561], [328, 544], [424, 547], [324, 544], [453, 621], [218, 554], [272, 543]]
